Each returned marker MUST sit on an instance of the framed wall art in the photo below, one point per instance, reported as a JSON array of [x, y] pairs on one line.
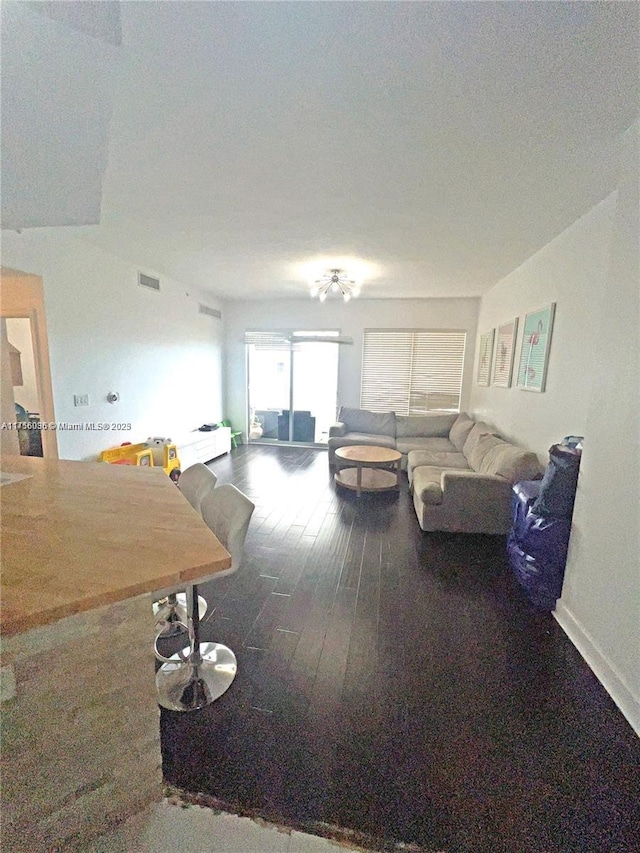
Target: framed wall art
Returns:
[[505, 350], [534, 352], [484, 357]]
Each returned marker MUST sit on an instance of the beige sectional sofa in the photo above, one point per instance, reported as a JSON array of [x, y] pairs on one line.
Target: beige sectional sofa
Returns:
[[468, 490], [460, 472], [386, 429]]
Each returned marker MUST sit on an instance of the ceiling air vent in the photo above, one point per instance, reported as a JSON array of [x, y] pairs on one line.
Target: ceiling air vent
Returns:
[[211, 312], [148, 281]]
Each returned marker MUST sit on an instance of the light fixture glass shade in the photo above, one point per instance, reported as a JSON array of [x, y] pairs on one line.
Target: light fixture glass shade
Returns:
[[335, 281]]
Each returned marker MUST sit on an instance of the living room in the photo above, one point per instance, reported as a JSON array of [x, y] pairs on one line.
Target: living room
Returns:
[[175, 368]]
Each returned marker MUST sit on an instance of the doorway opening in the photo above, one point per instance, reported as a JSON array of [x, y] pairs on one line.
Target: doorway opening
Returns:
[[27, 398], [293, 385]]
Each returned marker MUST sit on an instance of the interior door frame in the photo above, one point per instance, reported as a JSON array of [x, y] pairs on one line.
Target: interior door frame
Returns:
[[22, 296]]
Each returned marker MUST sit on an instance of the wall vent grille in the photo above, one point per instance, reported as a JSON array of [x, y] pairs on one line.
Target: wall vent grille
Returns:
[[148, 281], [210, 312]]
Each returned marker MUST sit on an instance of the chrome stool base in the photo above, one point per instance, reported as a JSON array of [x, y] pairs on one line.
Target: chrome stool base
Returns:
[[184, 686]]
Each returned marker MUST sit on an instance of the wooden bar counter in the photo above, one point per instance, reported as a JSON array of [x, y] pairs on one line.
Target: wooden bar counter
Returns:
[[84, 546]]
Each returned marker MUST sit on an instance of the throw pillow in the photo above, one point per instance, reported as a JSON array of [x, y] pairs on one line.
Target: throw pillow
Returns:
[[478, 430], [371, 423], [483, 446], [432, 425], [460, 430], [511, 463]]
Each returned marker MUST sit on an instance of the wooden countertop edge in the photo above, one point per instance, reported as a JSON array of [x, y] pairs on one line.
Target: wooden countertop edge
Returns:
[[205, 571], [10, 626]]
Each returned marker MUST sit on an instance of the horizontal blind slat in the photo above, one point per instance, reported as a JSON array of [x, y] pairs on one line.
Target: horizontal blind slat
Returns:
[[413, 371]]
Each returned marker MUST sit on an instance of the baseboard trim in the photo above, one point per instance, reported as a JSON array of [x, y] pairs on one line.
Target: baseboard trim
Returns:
[[628, 704]]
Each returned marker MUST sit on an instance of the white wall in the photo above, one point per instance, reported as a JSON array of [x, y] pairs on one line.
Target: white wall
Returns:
[[351, 319], [569, 271], [593, 389], [600, 605], [106, 333]]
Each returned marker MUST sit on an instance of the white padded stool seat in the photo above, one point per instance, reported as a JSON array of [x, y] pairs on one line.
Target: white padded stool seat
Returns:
[[201, 673]]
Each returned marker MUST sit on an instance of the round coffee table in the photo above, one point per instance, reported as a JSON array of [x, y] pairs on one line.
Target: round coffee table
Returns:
[[365, 468]]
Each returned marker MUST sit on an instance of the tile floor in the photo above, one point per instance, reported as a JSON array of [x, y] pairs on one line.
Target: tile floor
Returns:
[[166, 828]]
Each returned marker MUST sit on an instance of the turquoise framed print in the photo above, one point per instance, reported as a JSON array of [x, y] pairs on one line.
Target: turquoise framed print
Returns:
[[534, 352]]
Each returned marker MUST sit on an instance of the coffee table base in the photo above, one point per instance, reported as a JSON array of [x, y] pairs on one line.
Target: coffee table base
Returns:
[[372, 479]]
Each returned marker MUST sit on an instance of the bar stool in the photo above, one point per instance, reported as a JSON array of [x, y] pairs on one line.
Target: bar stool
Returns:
[[170, 610], [199, 674], [195, 482]]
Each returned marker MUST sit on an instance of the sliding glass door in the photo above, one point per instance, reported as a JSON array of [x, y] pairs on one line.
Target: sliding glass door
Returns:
[[269, 370], [293, 385]]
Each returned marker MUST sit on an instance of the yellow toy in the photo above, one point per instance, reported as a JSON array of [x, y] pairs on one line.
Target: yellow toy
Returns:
[[143, 455]]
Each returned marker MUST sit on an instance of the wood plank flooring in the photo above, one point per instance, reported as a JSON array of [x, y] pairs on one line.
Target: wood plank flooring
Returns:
[[398, 683]]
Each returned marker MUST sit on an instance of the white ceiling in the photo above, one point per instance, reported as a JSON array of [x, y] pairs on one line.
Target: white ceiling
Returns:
[[429, 147]]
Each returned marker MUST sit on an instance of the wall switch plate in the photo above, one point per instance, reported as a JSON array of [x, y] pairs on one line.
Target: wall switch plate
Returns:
[[80, 399]]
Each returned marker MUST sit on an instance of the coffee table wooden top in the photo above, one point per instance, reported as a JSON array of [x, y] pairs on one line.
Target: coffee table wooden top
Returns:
[[368, 454]]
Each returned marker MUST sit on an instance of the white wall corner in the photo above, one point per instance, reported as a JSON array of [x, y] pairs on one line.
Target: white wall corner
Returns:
[[601, 666]]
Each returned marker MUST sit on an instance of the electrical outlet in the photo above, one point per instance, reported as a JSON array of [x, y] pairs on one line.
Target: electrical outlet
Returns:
[[80, 399]]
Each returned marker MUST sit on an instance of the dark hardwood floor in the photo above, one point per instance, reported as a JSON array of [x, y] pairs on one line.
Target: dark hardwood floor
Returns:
[[398, 683]]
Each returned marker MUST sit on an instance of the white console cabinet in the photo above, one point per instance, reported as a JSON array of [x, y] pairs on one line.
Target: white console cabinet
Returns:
[[199, 446]]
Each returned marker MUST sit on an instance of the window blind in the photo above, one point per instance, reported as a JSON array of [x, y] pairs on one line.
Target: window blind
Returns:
[[282, 339], [268, 340], [412, 371]]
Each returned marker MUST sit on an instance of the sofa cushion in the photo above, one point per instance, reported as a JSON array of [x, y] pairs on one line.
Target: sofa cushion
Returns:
[[460, 430], [362, 438], [426, 484], [478, 452], [425, 426], [372, 423], [418, 458], [478, 430], [434, 445], [511, 463], [437, 460]]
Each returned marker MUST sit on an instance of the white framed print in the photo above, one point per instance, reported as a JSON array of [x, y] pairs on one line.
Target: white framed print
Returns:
[[485, 354], [505, 351], [534, 351]]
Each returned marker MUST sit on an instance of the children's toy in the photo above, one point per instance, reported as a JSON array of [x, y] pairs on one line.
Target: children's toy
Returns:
[[163, 455], [128, 454], [157, 445]]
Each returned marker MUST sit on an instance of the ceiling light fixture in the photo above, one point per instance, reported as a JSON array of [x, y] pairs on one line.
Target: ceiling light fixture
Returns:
[[335, 281]]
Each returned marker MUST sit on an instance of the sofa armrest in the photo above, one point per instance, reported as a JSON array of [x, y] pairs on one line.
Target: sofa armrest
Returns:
[[338, 428], [473, 503]]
